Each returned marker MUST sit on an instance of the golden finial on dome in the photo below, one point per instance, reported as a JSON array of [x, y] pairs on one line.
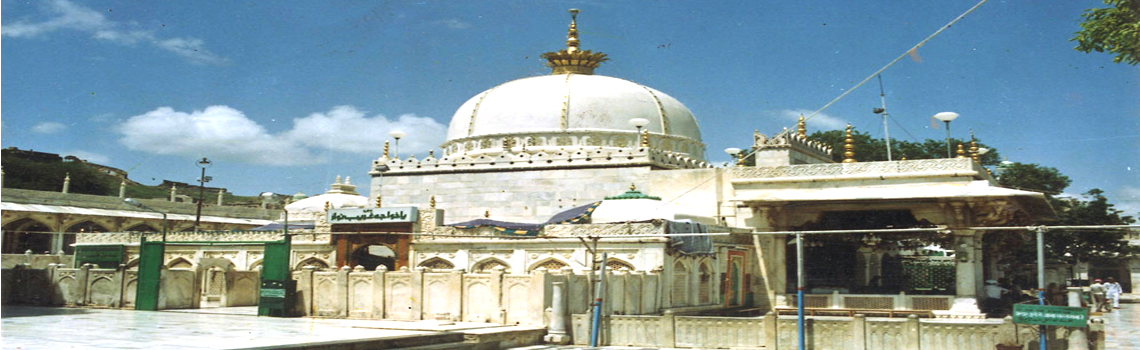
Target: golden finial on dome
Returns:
[[961, 151], [385, 148], [327, 206], [378, 202], [974, 148], [801, 127], [431, 202], [645, 138], [573, 60], [632, 187], [848, 147], [487, 213]]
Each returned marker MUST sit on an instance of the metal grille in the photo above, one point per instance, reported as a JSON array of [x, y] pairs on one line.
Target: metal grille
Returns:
[[878, 303], [929, 275], [552, 265], [930, 303], [816, 301], [215, 287]]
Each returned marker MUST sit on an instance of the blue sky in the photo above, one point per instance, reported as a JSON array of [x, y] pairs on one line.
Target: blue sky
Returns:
[[284, 96]]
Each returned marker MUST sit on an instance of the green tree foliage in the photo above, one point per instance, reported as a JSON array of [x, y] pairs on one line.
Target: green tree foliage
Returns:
[[48, 176], [1082, 245], [1033, 177], [869, 149], [1115, 29]]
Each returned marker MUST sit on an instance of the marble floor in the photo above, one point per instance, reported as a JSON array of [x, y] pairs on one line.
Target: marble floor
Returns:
[[24, 327], [1122, 328]]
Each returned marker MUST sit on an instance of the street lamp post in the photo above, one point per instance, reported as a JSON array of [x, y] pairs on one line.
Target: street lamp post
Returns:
[[639, 123], [396, 134], [136, 203], [947, 117], [204, 163]]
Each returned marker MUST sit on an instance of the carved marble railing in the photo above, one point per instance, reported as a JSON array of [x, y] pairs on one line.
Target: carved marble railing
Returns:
[[900, 301], [923, 167], [522, 160]]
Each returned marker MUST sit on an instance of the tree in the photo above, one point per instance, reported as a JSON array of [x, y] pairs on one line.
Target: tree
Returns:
[[1097, 245], [869, 149], [1115, 29], [1033, 177]]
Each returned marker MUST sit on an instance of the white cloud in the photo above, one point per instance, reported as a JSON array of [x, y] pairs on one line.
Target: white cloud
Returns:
[[92, 157], [48, 128], [347, 129], [225, 133], [218, 132], [820, 121], [71, 16]]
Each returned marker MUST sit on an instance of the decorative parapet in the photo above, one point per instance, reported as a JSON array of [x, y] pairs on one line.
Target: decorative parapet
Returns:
[[877, 170], [791, 140], [623, 229], [526, 160], [234, 236]]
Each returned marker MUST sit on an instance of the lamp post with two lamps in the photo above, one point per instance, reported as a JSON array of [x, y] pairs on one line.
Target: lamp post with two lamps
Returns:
[[947, 117], [735, 153], [204, 163]]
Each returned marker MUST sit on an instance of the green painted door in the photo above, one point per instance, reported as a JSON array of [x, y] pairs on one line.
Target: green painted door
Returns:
[[277, 285], [150, 272]]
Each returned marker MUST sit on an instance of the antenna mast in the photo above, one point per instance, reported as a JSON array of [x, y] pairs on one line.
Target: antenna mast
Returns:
[[883, 110]]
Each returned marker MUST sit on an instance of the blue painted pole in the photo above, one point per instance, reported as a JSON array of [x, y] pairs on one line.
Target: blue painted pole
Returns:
[[1041, 275], [800, 290], [596, 325], [1044, 328]]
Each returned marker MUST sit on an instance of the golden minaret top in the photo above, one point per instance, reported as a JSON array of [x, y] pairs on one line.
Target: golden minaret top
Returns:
[[573, 60]]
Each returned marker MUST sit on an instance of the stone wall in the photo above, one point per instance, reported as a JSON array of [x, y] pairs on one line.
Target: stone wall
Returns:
[[780, 333], [88, 286], [496, 297]]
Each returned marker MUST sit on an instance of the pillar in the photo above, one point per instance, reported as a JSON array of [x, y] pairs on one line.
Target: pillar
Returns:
[[173, 192], [557, 333], [66, 183], [123, 189], [967, 273], [220, 193], [1078, 338]]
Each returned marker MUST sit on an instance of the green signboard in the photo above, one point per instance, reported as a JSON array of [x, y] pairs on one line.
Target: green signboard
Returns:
[[107, 256], [272, 293], [1051, 315], [371, 215]]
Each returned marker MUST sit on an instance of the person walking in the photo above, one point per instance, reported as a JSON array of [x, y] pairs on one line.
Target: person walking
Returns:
[[1112, 291], [1098, 294]]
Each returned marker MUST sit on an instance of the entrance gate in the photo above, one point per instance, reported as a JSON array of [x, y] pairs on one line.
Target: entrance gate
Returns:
[[277, 287]]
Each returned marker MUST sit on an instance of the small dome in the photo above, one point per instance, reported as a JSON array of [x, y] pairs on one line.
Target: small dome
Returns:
[[316, 204]]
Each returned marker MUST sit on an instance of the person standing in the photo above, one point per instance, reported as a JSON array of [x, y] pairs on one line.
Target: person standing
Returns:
[[1098, 294], [1112, 291], [993, 305]]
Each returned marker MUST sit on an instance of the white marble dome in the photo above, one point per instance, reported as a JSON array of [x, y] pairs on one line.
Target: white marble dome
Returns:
[[571, 111]]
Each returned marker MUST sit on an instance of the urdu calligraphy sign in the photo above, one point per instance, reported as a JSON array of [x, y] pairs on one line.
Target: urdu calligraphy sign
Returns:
[[1051, 315], [372, 215]]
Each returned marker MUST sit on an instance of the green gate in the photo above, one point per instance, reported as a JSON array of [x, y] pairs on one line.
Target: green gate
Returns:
[[150, 272], [277, 286]]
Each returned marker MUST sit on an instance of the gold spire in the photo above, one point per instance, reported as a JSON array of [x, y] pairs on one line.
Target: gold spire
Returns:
[[848, 147], [487, 213], [432, 201], [974, 148], [632, 187], [645, 138], [801, 127], [961, 151], [385, 148], [378, 202], [573, 60]]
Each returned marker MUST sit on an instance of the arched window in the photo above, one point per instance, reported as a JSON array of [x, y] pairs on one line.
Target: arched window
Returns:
[[180, 263], [437, 263], [486, 266], [618, 264], [551, 264], [26, 234], [704, 291], [313, 261], [680, 284]]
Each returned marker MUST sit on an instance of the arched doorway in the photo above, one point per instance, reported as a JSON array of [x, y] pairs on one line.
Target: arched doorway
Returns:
[[27, 234], [371, 256]]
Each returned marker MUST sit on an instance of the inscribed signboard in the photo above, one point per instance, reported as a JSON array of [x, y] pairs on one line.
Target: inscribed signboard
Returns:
[[1050, 315]]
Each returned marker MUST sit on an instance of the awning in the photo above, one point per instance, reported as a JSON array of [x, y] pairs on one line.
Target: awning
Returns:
[[1032, 202], [61, 209]]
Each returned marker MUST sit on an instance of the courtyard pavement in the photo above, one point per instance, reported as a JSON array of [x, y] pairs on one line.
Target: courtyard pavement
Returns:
[[23, 327]]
